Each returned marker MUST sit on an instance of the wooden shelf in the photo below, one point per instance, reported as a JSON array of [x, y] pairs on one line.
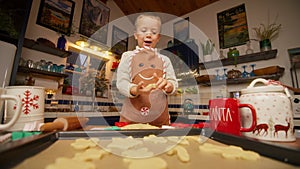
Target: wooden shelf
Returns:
[[240, 59], [240, 80], [31, 44], [23, 69]]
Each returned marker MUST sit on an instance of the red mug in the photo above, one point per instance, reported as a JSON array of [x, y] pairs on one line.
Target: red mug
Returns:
[[224, 116]]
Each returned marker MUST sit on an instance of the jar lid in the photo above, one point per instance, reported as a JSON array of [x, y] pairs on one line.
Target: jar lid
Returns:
[[263, 89], [268, 86]]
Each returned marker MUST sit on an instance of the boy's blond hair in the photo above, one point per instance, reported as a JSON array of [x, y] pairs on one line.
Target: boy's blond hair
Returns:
[[149, 16]]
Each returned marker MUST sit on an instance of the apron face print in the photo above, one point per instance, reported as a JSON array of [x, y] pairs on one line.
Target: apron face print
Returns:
[[148, 106]]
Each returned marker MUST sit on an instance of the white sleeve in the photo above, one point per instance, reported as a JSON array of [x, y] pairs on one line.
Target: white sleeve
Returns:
[[170, 74], [123, 75]]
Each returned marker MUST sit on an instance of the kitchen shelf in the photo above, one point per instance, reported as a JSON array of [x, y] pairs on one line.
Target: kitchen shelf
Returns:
[[240, 59], [240, 80], [23, 69], [31, 44]]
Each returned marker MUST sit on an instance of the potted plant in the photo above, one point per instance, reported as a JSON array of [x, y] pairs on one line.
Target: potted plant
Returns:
[[207, 50], [265, 34]]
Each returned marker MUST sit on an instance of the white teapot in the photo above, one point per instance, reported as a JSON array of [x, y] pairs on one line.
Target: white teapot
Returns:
[[274, 111]]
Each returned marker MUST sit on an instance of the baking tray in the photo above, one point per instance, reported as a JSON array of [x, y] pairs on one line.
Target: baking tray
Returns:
[[15, 152]]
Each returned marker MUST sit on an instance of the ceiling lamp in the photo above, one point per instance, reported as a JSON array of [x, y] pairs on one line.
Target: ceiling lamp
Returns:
[[95, 48], [82, 42], [108, 53]]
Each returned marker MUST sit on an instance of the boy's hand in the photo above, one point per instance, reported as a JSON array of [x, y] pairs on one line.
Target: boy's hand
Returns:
[[163, 84], [139, 89]]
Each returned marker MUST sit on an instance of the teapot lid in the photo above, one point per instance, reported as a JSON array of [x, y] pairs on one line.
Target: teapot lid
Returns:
[[269, 86]]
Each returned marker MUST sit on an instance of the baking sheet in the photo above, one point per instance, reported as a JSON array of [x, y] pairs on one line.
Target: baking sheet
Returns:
[[48, 146], [62, 148]]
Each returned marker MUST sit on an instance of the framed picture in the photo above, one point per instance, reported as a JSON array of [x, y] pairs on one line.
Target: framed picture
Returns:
[[94, 20], [181, 30], [119, 40], [56, 15], [233, 27]]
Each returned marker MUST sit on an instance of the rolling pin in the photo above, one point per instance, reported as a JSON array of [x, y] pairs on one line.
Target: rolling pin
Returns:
[[65, 124]]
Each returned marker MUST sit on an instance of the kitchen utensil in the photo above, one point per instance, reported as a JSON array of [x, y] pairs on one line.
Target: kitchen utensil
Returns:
[[225, 116], [65, 123], [274, 111]]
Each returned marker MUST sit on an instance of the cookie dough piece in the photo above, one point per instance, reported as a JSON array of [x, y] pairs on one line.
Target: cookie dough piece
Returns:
[[124, 143], [82, 144], [180, 140], [211, 148], [155, 139], [181, 152], [151, 86], [139, 126], [229, 152], [195, 138], [234, 152], [66, 163], [90, 154], [146, 163], [138, 153]]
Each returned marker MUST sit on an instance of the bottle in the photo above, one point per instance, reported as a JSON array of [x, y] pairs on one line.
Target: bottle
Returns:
[[61, 42], [249, 49]]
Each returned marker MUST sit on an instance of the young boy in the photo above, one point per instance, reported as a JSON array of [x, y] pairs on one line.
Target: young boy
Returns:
[[146, 77]]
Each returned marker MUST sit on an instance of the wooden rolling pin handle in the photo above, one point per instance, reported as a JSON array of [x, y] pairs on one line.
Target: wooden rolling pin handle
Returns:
[[65, 123], [71, 123], [52, 126]]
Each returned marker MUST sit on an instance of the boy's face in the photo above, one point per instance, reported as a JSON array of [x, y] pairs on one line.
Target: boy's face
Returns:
[[147, 32]]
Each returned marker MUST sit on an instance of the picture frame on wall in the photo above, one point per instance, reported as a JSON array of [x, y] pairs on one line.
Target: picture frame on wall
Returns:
[[181, 31], [56, 15], [119, 40], [233, 27], [94, 20]]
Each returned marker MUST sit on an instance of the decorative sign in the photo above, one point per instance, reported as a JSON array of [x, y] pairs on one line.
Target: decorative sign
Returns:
[[181, 31], [94, 20], [56, 15], [233, 27], [119, 41]]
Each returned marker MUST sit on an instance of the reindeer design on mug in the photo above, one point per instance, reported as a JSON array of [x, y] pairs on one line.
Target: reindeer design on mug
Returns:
[[261, 127], [279, 127]]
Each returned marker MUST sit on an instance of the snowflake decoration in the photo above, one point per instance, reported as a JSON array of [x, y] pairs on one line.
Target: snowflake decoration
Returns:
[[29, 101]]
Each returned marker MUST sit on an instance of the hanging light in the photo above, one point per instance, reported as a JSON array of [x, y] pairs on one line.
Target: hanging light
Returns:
[[108, 53], [95, 48], [82, 42]]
